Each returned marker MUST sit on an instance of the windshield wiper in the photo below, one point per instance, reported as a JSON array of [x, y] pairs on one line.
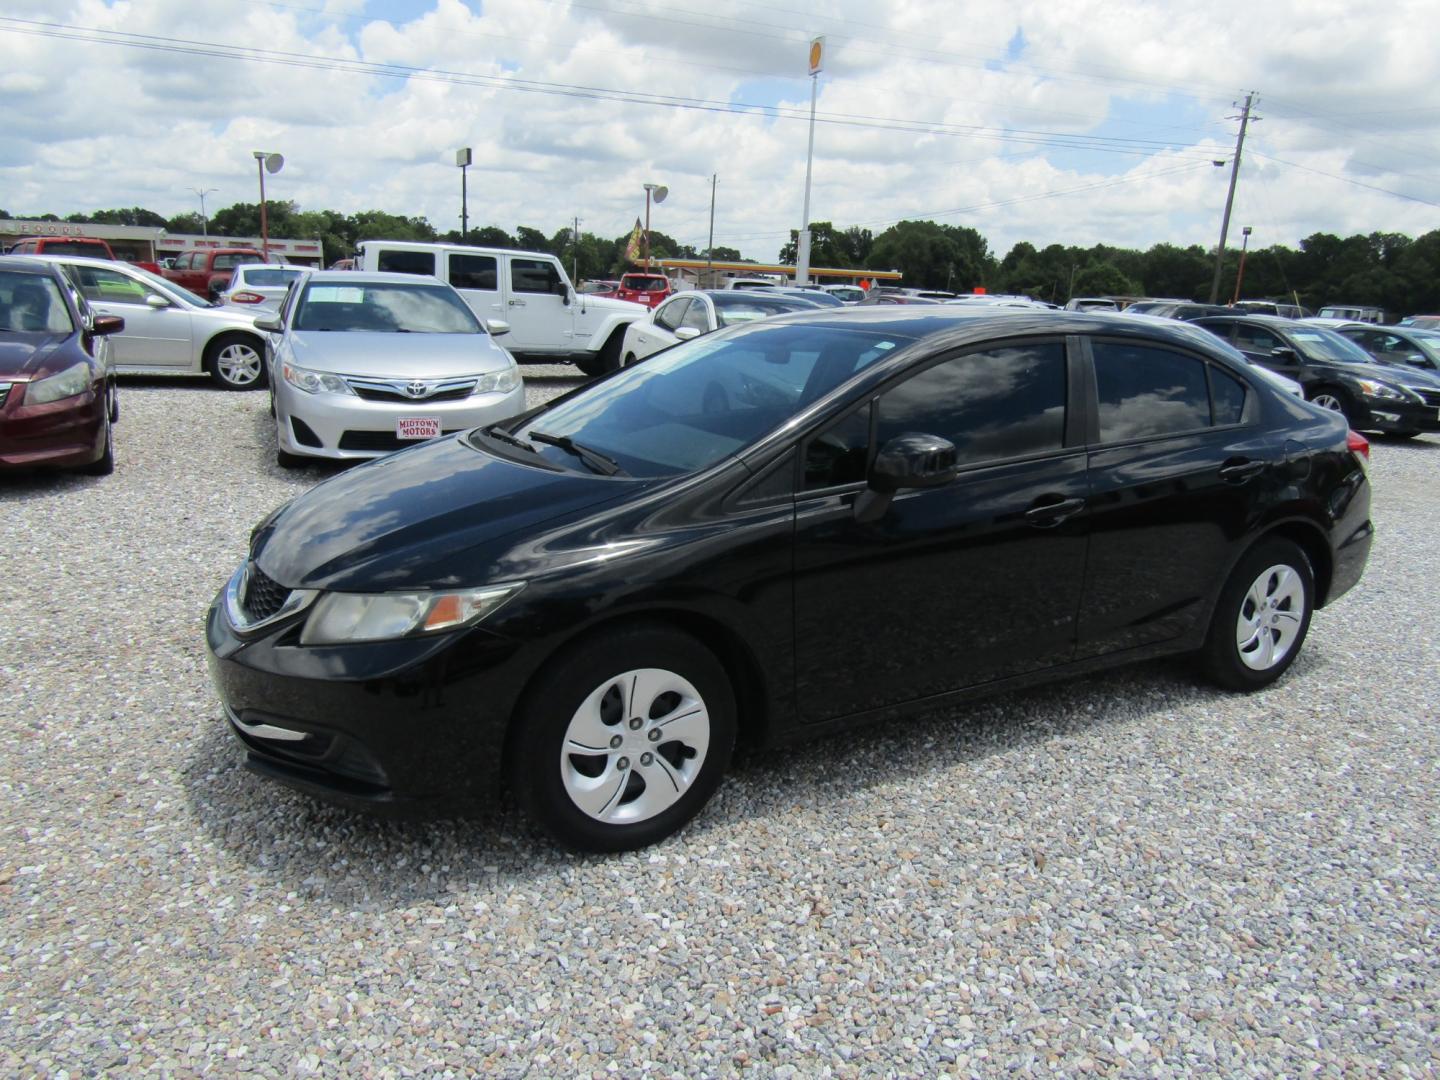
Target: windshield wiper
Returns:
[[596, 460], [500, 435]]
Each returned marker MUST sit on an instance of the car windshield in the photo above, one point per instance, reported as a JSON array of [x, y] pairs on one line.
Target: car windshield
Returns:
[[733, 310], [268, 276], [700, 401], [1328, 345], [384, 308], [32, 304]]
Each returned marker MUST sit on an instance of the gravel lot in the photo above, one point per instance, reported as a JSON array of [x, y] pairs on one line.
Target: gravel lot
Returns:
[[1124, 874]]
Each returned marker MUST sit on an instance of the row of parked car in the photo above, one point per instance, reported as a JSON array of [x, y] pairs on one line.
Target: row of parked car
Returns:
[[342, 388]]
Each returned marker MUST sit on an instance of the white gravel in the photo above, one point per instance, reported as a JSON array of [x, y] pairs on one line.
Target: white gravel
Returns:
[[1126, 874]]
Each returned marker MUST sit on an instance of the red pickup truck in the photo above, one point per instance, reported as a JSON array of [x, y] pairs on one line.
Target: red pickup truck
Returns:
[[206, 273], [90, 247]]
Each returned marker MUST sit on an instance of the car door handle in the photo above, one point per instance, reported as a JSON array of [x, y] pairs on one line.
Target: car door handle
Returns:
[[1050, 514], [1237, 472]]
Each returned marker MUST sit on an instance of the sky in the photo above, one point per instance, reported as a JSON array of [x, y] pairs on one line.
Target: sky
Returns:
[[1079, 123]]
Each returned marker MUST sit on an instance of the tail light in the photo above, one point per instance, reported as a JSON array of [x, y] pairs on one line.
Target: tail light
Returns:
[[1358, 445], [247, 298]]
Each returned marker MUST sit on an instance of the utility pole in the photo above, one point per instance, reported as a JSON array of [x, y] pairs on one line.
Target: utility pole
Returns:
[[575, 256], [710, 248], [1244, 119]]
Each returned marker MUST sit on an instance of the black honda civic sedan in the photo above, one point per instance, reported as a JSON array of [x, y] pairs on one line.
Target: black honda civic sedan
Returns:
[[773, 532]]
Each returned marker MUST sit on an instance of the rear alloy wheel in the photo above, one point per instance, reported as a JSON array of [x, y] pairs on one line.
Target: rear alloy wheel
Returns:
[[1262, 618], [625, 741], [235, 362]]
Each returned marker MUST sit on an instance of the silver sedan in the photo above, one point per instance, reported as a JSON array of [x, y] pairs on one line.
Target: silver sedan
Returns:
[[169, 331]]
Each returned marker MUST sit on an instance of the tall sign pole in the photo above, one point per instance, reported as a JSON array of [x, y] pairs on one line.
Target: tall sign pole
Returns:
[[462, 159], [264, 163], [710, 249], [1230, 196], [802, 243]]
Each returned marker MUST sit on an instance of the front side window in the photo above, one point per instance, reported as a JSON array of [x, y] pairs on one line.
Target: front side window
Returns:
[[1256, 339], [32, 304], [534, 276], [384, 309], [407, 262], [995, 404], [669, 314], [108, 286], [1144, 390], [697, 316], [840, 454], [474, 272]]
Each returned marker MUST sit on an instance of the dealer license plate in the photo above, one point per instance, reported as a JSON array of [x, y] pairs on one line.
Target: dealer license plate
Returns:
[[417, 427]]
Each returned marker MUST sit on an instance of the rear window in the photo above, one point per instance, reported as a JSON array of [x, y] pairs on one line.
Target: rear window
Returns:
[[644, 284], [262, 278], [229, 262], [407, 262], [91, 249]]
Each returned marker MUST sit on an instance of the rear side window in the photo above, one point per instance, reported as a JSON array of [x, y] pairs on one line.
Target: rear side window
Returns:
[[1227, 397], [407, 262], [1147, 391], [1000, 403], [474, 272]]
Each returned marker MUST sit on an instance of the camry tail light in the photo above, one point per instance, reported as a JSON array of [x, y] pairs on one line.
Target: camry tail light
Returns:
[[1358, 445], [247, 298]]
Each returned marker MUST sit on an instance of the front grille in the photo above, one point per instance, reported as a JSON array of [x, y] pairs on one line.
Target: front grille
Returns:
[[378, 441], [4, 392], [262, 597], [1430, 397], [399, 389]]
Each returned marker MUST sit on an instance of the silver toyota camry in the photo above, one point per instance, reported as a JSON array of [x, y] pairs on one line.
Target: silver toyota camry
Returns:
[[362, 364]]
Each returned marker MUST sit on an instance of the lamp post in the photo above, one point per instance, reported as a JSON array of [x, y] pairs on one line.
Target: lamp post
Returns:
[[204, 220], [802, 238], [271, 163], [1239, 277], [658, 192], [462, 159]]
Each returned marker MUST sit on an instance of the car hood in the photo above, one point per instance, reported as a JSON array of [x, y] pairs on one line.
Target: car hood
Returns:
[[607, 303], [424, 518], [26, 355], [396, 355], [1408, 374]]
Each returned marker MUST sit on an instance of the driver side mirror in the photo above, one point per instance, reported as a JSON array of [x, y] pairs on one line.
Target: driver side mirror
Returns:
[[157, 302], [1285, 353], [107, 324], [561, 290], [909, 461], [497, 327], [687, 333], [271, 324]]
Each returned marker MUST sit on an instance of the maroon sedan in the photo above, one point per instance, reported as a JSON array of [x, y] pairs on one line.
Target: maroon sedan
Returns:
[[57, 389]]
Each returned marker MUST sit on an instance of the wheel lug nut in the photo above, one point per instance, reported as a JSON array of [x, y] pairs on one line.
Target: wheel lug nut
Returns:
[[615, 742], [623, 764], [636, 724], [646, 759], [655, 734]]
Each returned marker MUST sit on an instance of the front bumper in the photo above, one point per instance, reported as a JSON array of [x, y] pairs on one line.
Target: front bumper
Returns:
[[411, 725], [1385, 414], [342, 427], [68, 432]]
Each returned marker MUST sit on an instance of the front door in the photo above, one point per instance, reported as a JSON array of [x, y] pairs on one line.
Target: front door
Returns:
[[154, 336], [953, 586], [538, 307]]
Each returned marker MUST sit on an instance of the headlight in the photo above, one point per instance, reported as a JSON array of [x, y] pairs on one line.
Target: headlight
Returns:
[[343, 617], [313, 382], [499, 382], [1381, 390], [63, 384]]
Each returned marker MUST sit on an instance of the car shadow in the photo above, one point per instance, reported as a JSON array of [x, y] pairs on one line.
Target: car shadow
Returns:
[[346, 857]]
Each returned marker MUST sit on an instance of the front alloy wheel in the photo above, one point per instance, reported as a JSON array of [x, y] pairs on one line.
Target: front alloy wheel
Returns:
[[625, 738]]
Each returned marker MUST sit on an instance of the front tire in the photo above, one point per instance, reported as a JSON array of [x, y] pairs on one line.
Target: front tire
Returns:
[[1336, 401], [235, 362], [1262, 617], [104, 465], [625, 740]]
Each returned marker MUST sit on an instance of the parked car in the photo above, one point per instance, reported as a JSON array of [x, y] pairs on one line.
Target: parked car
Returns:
[[58, 403], [1270, 307], [258, 287], [206, 272], [549, 321], [848, 294], [599, 287], [1337, 374], [894, 296], [1184, 310], [1352, 313], [643, 288], [1402, 345], [345, 385], [167, 330], [786, 528], [702, 311], [1091, 303], [1422, 322], [91, 247], [751, 283]]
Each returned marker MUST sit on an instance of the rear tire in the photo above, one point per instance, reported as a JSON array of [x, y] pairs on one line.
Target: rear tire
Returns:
[[1262, 617], [624, 740]]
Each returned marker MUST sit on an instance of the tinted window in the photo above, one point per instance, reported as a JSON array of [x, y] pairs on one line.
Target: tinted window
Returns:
[[1148, 391], [840, 453], [996, 404], [474, 272], [1227, 396], [1256, 339], [533, 276], [407, 262]]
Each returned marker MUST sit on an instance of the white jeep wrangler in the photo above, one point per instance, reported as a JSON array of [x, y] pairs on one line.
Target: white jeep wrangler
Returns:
[[529, 290]]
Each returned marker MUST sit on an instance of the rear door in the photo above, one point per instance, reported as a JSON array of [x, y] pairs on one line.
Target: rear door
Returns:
[[1178, 470]]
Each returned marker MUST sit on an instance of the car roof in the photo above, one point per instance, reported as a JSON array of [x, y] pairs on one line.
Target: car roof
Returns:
[[374, 277], [28, 264]]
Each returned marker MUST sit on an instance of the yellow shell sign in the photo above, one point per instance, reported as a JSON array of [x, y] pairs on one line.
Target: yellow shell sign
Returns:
[[817, 55]]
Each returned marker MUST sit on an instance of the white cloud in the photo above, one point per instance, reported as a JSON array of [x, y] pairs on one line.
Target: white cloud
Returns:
[[1344, 91]]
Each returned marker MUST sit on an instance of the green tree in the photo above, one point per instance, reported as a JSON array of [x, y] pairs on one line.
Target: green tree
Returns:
[[185, 223], [827, 247], [1104, 279], [933, 256]]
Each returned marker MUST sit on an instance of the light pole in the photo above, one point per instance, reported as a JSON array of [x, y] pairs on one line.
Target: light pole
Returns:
[[204, 221], [1239, 277], [658, 191], [271, 163], [462, 159], [802, 239]]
